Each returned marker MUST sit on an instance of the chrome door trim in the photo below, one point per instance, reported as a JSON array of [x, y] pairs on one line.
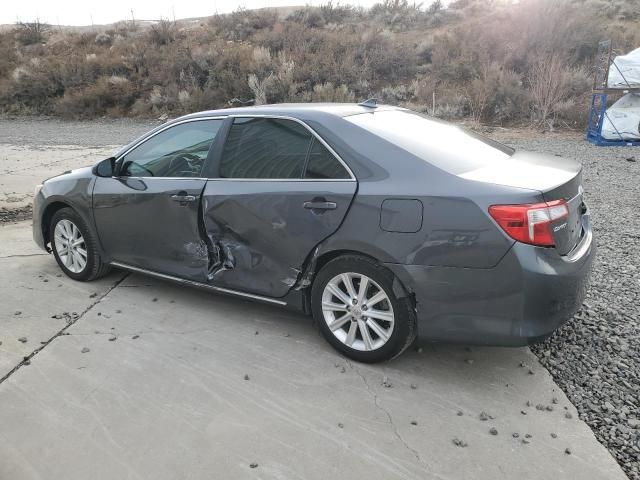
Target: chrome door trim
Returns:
[[164, 178], [192, 283], [217, 179]]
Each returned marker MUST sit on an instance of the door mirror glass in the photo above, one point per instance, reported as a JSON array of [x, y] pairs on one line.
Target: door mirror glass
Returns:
[[105, 168]]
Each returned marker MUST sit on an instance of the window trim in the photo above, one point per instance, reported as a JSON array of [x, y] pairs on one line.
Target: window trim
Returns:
[[315, 136], [305, 168], [119, 160], [223, 141]]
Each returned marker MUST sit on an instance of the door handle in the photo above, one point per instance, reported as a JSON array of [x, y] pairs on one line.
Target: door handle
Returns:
[[183, 198], [320, 205]]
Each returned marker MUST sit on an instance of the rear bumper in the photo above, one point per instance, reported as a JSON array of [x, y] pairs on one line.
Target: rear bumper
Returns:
[[529, 294]]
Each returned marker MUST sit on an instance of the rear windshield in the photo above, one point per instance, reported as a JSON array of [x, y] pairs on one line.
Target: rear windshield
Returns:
[[451, 148]]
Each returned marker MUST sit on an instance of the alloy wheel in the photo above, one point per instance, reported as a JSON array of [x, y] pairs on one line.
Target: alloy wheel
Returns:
[[357, 311], [70, 246]]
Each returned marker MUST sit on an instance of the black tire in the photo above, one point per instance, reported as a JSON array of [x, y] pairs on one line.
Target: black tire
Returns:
[[94, 267], [404, 329]]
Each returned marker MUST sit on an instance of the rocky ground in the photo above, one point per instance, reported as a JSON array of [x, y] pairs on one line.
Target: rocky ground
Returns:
[[42, 132], [34, 149], [595, 357], [9, 215]]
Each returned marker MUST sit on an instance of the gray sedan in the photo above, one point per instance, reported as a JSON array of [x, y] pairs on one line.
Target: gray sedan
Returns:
[[382, 223]]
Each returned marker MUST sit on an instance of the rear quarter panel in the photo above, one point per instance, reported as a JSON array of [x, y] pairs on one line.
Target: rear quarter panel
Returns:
[[456, 228]]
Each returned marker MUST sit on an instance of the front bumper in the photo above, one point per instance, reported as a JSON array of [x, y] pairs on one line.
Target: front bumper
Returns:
[[36, 221], [529, 294]]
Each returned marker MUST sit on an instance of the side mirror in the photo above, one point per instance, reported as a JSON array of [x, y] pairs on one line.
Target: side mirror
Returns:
[[105, 168]]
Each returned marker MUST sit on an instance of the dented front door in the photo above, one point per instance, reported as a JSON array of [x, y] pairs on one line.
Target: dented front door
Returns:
[[261, 231], [148, 214], [152, 223]]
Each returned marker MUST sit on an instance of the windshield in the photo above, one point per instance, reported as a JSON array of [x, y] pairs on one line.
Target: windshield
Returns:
[[444, 145]]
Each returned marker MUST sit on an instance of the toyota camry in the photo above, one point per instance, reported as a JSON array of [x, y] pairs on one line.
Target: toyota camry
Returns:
[[381, 223]]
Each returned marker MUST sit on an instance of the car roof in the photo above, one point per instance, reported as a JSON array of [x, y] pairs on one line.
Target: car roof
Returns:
[[320, 113], [295, 110], [299, 111]]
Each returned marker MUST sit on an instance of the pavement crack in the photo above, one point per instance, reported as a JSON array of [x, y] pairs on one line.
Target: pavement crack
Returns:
[[143, 332], [27, 359], [24, 255], [396, 432]]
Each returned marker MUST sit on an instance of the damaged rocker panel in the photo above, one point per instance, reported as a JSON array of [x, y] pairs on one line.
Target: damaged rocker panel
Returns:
[[193, 283]]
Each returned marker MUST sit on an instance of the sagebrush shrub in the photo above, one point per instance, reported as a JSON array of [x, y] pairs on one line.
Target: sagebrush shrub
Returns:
[[479, 59], [30, 33]]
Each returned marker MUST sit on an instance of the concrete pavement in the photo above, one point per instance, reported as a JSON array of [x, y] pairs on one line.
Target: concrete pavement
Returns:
[[180, 383], [23, 167], [37, 299]]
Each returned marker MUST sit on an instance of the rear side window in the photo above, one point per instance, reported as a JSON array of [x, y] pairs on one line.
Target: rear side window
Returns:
[[323, 165], [265, 148], [446, 146]]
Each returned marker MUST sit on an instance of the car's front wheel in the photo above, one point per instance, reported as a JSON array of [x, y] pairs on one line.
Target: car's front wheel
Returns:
[[358, 313], [74, 246]]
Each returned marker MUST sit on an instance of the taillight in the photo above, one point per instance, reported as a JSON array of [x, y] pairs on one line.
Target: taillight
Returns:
[[530, 223]]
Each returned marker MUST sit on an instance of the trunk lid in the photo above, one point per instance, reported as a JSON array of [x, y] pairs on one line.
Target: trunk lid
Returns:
[[556, 178], [567, 232]]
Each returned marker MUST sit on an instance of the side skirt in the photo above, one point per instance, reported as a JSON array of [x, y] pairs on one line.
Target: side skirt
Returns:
[[204, 286]]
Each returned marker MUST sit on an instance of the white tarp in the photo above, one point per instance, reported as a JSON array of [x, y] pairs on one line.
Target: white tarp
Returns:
[[622, 121], [625, 71]]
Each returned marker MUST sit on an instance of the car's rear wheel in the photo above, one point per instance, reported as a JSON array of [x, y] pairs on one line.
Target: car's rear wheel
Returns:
[[74, 246], [357, 311]]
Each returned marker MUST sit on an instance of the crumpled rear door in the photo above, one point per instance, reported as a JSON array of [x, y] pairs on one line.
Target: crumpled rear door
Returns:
[[260, 232]]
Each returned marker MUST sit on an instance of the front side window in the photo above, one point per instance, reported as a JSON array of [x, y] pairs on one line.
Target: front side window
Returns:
[[178, 151], [265, 148]]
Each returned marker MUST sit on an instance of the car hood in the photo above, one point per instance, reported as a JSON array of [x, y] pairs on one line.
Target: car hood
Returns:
[[82, 172]]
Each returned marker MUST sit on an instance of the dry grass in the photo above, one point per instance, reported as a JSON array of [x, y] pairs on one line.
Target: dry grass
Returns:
[[490, 61]]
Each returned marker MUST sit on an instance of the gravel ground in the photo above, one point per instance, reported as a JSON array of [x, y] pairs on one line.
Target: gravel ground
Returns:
[[10, 215], [40, 131], [595, 357]]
